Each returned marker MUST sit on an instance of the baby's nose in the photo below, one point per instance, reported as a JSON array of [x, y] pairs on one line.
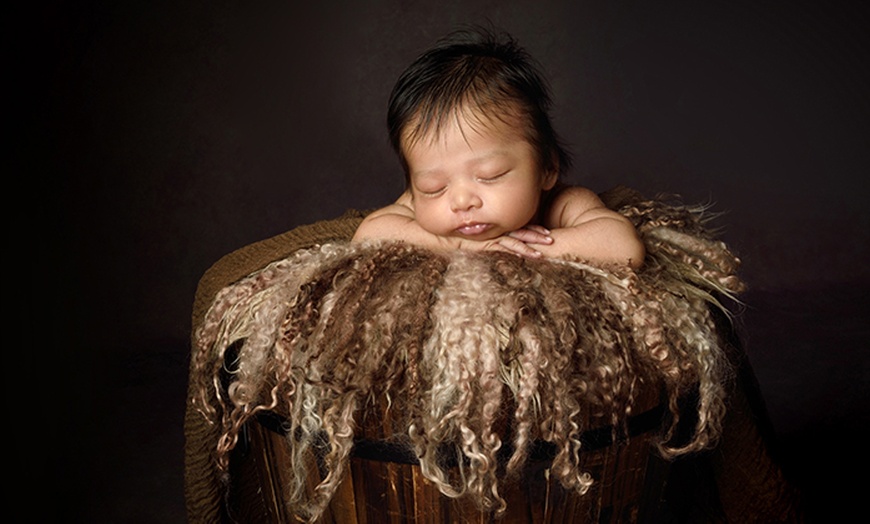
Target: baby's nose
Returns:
[[464, 199]]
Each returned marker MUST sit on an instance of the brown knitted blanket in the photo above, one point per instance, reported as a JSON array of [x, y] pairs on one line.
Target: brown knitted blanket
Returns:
[[329, 328]]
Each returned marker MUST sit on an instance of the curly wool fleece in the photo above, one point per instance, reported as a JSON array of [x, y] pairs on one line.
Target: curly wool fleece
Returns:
[[457, 345]]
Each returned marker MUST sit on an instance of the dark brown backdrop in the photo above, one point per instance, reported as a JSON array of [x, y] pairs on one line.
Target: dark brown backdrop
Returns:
[[154, 137]]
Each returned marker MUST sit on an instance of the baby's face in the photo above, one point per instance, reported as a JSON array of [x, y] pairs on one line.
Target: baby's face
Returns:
[[475, 180]]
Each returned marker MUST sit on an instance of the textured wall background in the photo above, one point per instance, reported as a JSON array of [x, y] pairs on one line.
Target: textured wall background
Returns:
[[157, 136]]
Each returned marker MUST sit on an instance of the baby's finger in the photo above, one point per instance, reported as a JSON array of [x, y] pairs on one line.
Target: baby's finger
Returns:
[[518, 247], [540, 229], [531, 236]]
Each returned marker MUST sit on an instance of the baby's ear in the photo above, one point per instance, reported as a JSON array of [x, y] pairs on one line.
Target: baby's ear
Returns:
[[549, 179]]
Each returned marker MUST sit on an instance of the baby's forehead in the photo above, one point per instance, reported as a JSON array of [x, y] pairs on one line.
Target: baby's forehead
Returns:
[[488, 121]]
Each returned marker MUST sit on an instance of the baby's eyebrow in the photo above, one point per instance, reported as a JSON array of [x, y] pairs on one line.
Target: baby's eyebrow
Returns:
[[497, 153]]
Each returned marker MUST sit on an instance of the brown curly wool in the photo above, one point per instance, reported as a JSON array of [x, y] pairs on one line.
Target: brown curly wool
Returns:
[[461, 345]]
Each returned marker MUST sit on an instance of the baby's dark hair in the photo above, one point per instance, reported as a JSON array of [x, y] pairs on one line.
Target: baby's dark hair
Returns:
[[475, 69]]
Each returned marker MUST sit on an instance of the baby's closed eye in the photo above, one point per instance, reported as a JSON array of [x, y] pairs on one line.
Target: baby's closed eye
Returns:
[[492, 178], [433, 192]]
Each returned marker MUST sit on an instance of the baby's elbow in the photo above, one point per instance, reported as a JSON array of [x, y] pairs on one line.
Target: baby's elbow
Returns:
[[636, 252], [633, 248], [381, 225], [363, 231], [630, 248]]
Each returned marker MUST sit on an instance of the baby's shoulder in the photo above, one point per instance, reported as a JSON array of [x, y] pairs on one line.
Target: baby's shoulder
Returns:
[[575, 197], [566, 203]]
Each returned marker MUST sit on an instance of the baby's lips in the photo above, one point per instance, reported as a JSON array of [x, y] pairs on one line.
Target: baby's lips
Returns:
[[473, 229]]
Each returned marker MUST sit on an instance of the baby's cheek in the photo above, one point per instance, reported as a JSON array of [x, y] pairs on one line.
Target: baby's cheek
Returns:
[[429, 220]]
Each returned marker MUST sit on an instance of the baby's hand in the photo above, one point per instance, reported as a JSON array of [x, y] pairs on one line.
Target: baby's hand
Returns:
[[519, 242], [532, 234]]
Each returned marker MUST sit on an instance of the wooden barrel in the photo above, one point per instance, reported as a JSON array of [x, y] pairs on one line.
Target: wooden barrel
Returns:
[[384, 484]]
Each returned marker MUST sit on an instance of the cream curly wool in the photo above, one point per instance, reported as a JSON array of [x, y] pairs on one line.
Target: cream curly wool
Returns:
[[456, 345]]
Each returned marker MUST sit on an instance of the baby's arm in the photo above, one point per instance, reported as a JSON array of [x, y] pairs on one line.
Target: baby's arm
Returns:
[[583, 227], [397, 222]]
